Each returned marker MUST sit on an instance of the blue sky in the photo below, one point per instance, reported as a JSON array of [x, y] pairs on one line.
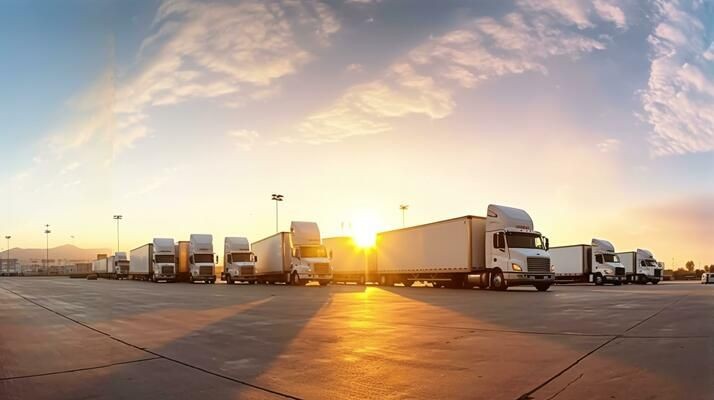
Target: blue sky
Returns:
[[596, 117]]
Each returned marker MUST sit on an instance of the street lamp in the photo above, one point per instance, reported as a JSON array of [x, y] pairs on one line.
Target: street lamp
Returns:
[[118, 218], [47, 247], [7, 267], [404, 208], [277, 198]]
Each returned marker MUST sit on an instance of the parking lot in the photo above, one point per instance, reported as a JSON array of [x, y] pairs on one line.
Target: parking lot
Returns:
[[64, 338]]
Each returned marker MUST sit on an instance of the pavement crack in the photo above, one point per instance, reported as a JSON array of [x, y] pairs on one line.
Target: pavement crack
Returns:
[[69, 371], [157, 355], [565, 387]]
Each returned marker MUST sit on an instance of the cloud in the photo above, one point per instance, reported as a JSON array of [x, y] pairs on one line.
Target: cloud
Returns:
[[609, 145], [244, 139], [426, 79], [69, 168], [610, 12], [679, 98], [581, 13], [354, 68]]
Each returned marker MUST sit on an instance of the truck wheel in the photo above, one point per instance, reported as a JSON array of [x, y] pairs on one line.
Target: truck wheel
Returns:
[[542, 287], [498, 282], [384, 280], [654, 282], [598, 279], [190, 278], [229, 279], [294, 279], [324, 283], [361, 280], [407, 283]]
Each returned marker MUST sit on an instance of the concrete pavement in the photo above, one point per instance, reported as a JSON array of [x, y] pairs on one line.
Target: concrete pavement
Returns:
[[65, 338]]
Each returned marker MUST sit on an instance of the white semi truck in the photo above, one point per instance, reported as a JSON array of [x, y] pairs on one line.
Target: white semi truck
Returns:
[[238, 261], [641, 266], [350, 262], [296, 257], [496, 251], [118, 266], [155, 261], [201, 259], [596, 263]]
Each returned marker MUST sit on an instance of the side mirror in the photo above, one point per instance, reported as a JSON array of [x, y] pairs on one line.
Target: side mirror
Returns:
[[330, 254], [255, 258], [216, 259], [547, 244]]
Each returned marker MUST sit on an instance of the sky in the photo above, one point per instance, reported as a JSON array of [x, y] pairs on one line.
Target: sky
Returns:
[[597, 117]]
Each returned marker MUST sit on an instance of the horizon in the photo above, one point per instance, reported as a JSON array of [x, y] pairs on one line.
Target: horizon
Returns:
[[598, 120]]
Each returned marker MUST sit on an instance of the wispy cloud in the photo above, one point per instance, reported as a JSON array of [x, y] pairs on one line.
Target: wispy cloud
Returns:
[[244, 139], [609, 145], [581, 13], [679, 99], [425, 80]]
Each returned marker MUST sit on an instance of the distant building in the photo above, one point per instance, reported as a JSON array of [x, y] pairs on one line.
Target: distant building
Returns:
[[9, 266], [55, 267]]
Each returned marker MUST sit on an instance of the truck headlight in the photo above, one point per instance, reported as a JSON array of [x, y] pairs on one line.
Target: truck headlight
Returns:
[[516, 267], [552, 268]]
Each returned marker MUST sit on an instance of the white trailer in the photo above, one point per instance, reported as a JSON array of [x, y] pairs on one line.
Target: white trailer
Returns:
[[349, 261], [100, 266], [641, 266], [296, 257], [155, 261], [201, 259], [238, 261], [496, 251], [596, 262]]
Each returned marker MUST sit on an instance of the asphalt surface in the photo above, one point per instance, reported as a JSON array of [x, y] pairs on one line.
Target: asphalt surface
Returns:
[[64, 338]]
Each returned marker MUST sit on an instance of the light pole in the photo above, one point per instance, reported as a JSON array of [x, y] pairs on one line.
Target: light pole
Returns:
[[118, 218], [47, 248], [404, 208], [7, 267], [277, 198]]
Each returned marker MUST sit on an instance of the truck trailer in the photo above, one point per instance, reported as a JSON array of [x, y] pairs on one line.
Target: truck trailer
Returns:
[[496, 251], [201, 259], [296, 257], [238, 261], [99, 266], [640, 267], [117, 266], [155, 261], [597, 263], [350, 262]]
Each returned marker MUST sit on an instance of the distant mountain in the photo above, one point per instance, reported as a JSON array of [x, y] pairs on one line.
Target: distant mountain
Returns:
[[65, 252]]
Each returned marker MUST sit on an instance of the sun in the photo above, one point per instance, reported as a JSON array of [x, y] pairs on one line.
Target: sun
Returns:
[[364, 230]]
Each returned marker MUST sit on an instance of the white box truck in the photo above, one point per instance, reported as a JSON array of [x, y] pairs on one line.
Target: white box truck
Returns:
[[496, 251], [596, 263], [155, 261], [641, 266], [296, 257], [238, 261], [350, 262], [118, 266], [201, 259]]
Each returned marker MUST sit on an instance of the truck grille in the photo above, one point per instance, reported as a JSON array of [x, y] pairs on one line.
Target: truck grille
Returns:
[[123, 270], [321, 268], [538, 264], [205, 271], [619, 271], [167, 269], [658, 272], [247, 271]]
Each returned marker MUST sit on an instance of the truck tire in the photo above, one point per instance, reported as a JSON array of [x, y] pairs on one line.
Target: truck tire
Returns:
[[229, 279], [598, 279], [294, 279], [498, 281], [190, 278], [654, 282], [385, 280], [542, 287], [407, 283], [324, 283]]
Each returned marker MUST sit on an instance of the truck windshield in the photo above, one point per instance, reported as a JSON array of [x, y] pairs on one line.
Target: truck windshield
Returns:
[[611, 258], [164, 258], [313, 252], [521, 240], [240, 257], [203, 258], [651, 263]]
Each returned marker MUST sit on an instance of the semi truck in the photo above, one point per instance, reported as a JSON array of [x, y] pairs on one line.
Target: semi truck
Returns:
[[155, 261], [117, 266], [201, 259], [350, 262], [496, 251], [296, 257], [238, 261], [640, 266], [596, 263]]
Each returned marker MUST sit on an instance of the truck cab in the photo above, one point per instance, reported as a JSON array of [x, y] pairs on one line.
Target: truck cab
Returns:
[[606, 265], [309, 259], [120, 265], [201, 258], [163, 263], [238, 261], [515, 253], [648, 269]]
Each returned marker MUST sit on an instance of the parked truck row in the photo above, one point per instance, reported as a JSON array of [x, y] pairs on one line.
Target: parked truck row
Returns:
[[497, 251]]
